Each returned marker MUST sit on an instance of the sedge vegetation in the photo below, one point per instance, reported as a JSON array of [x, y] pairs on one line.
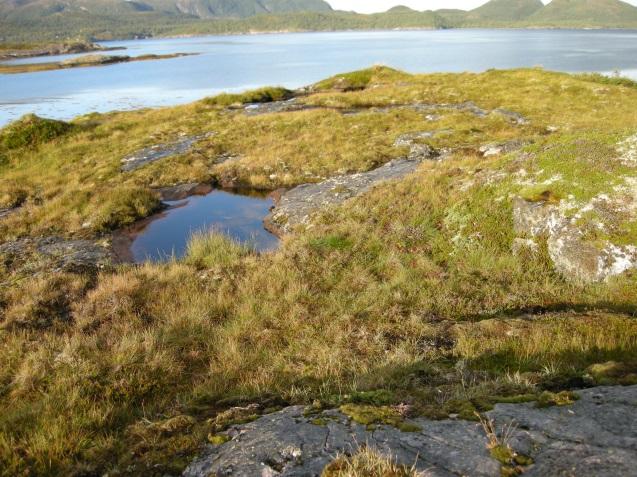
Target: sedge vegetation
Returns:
[[410, 293]]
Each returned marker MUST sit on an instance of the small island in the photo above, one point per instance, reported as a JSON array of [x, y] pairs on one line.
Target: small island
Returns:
[[26, 50], [83, 61]]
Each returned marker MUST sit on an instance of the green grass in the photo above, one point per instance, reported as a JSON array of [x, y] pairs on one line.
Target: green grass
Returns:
[[261, 95], [409, 294]]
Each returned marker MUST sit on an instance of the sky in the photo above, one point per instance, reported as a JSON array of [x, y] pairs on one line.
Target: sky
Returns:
[[370, 6]]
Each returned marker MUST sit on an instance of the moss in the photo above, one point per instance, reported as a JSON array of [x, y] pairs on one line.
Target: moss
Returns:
[[234, 416], [512, 463], [218, 439], [502, 453], [177, 424], [522, 459], [371, 416], [563, 398], [520, 398], [546, 196], [378, 397], [31, 131], [320, 421], [613, 372], [409, 427], [467, 409]]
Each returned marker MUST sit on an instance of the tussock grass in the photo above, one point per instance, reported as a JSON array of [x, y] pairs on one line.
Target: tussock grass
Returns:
[[367, 462], [31, 130], [210, 250], [261, 95]]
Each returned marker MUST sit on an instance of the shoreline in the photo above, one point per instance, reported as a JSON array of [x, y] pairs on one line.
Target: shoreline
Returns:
[[83, 62]]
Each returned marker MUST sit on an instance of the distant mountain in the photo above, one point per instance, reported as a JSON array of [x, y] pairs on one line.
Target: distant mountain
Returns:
[[506, 10], [29, 9], [594, 13], [28, 21]]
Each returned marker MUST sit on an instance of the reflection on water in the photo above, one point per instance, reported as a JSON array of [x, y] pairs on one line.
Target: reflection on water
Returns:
[[240, 216], [234, 63]]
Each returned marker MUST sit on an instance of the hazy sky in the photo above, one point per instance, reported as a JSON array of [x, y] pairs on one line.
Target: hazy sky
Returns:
[[368, 6]]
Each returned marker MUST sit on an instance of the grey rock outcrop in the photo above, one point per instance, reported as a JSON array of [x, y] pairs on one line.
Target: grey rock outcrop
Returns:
[[296, 206], [56, 254], [572, 254], [595, 436], [160, 151], [427, 109]]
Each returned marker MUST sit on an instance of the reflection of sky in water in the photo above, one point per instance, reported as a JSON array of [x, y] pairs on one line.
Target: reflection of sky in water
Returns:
[[238, 216], [235, 63]]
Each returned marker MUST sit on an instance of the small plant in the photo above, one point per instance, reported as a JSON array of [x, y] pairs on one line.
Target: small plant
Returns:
[[500, 449]]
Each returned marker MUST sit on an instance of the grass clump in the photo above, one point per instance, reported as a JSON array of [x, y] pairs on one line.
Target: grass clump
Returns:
[[613, 373], [367, 462], [498, 443], [31, 131], [357, 80], [261, 95], [210, 249], [123, 206]]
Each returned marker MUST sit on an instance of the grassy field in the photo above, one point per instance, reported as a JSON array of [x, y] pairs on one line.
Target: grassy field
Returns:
[[408, 294]]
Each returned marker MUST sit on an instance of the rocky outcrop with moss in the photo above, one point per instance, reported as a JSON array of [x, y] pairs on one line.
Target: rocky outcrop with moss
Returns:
[[591, 432]]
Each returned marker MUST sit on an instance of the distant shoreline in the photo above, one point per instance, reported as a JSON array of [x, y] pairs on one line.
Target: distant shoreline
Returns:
[[355, 30]]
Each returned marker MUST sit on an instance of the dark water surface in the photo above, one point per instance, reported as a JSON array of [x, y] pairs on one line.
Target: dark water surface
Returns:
[[238, 216], [235, 63]]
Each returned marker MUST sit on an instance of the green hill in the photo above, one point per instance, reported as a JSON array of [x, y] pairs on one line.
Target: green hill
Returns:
[[401, 9], [585, 13], [506, 10]]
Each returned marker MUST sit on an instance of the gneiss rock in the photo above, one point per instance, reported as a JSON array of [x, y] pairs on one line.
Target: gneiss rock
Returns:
[[501, 148], [297, 206], [160, 151], [572, 254], [594, 436], [57, 254]]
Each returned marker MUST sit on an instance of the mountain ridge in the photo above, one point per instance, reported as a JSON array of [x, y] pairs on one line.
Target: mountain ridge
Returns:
[[25, 21]]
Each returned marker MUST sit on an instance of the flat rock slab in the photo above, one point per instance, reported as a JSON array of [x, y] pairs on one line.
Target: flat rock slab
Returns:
[[183, 191], [159, 151], [7, 211], [296, 206], [57, 254], [595, 436], [292, 105]]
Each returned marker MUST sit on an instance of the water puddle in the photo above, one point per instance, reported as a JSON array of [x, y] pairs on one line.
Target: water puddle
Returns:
[[237, 214]]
